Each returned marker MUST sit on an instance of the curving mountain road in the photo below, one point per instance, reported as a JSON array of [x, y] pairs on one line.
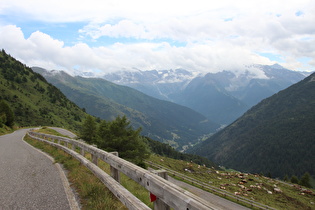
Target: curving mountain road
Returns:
[[64, 132], [28, 178]]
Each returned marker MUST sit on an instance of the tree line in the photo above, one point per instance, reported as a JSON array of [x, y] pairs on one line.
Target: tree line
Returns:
[[305, 180], [116, 136]]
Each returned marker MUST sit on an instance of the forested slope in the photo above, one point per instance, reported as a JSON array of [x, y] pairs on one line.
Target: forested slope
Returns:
[[276, 136], [32, 99], [161, 120]]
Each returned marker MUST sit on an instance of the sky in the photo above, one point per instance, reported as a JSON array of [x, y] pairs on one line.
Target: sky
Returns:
[[103, 36]]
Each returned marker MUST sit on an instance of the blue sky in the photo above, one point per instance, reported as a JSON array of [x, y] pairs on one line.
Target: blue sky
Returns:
[[113, 35]]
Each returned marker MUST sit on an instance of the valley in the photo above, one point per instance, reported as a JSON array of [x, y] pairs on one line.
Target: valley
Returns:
[[273, 133], [161, 120], [220, 95]]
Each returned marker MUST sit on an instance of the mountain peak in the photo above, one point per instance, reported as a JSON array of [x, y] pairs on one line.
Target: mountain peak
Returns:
[[277, 66]]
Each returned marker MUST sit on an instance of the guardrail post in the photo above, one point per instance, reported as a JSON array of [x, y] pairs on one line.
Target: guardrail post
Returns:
[[159, 204], [82, 152], [113, 171], [94, 159]]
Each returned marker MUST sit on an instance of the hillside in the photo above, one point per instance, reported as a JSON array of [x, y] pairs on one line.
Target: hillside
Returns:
[[228, 184], [160, 120], [276, 136], [33, 100], [222, 96], [207, 95]]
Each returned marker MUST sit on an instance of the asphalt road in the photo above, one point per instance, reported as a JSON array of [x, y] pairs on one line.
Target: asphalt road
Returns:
[[28, 178], [64, 132]]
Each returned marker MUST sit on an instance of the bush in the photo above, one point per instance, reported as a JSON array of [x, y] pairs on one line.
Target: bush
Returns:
[[6, 114]]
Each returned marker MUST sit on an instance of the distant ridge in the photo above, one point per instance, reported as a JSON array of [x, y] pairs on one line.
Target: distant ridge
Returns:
[[276, 136], [222, 97], [161, 120]]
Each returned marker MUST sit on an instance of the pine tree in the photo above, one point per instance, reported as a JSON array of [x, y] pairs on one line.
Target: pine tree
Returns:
[[103, 134], [305, 180], [119, 136], [88, 131], [294, 180]]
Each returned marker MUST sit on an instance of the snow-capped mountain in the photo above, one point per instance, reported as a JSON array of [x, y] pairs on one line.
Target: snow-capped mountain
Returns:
[[222, 97], [159, 84], [155, 76]]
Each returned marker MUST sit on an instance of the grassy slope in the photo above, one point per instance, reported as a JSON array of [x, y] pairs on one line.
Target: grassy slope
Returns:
[[290, 198], [33, 100]]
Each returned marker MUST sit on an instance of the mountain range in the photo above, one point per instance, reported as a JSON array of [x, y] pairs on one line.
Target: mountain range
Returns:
[[275, 136], [160, 120], [222, 97]]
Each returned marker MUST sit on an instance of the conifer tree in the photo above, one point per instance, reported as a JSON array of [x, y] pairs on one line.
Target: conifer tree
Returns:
[[294, 180], [305, 180], [88, 131], [119, 136], [103, 134]]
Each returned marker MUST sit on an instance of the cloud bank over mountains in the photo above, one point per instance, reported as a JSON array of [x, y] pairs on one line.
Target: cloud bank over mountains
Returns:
[[98, 36]]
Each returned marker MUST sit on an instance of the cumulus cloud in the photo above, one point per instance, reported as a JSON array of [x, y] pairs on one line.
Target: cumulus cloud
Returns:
[[47, 52], [196, 35]]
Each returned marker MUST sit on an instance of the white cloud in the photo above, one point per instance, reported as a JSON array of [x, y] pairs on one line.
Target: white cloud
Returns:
[[46, 52], [196, 35]]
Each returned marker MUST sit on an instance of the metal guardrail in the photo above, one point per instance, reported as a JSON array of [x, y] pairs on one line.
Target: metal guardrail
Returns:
[[167, 192], [212, 188]]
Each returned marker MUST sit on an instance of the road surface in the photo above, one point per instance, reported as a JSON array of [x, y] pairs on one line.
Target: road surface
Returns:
[[64, 132], [28, 178]]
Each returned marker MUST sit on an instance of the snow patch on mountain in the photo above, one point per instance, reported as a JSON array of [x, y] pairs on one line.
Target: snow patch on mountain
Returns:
[[150, 76]]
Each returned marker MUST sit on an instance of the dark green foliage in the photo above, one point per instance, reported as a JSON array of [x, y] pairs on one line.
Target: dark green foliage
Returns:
[[117, 136], [294, 180], [3, 120], [305, 180], [168, 151], [275, 136], [6, 114], [88, 131], [32, 100]]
